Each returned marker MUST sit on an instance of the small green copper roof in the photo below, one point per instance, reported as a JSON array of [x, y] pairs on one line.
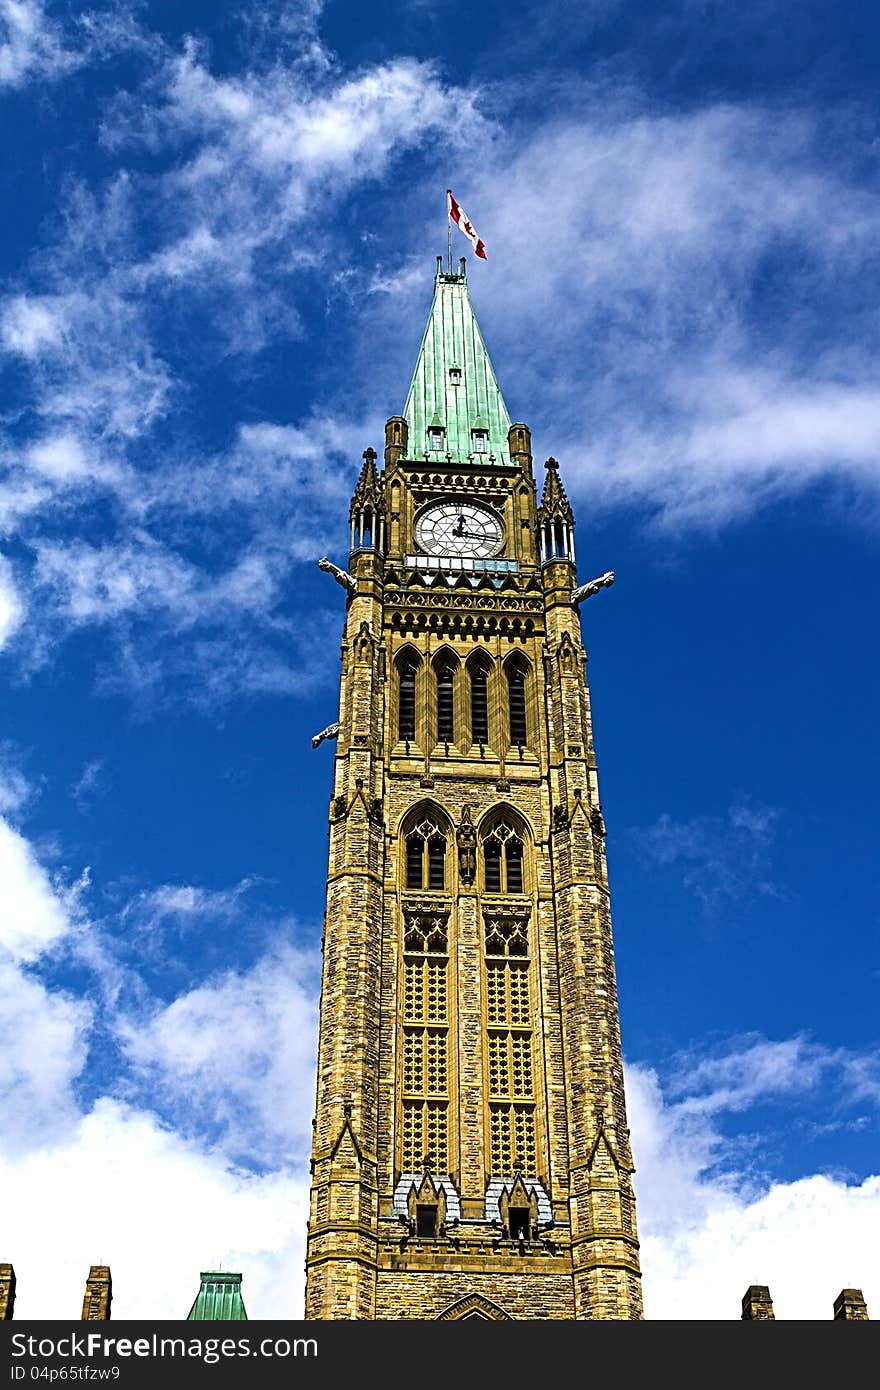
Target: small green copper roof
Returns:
[[219, 1299], [453, 340]]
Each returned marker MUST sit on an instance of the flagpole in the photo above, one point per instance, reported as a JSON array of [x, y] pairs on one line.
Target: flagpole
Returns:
[[448, 234]]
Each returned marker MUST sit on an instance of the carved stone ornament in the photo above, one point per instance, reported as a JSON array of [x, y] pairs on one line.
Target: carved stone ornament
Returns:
[[592, 587], [466, 836], [560, 818], [348, 581], [331, 731], [338, 807], [374, 809]]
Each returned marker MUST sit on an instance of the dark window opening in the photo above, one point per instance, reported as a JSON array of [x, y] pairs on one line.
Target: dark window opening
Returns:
[[493, 866], [514, 851], [414, 852], [436, 862], [516, 684], [406, 724], [445, 705], [520, 1222], [426, 1220], [479, 706]]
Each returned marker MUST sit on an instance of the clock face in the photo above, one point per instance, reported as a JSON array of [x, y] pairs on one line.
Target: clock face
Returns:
[[459, 528]]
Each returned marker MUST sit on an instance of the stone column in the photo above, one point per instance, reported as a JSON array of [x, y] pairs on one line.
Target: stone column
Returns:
[[607, 1280], [343, 1227]]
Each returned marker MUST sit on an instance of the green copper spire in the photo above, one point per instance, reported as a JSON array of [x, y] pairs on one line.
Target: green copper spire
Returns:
[[219, 1299], [455, 405]]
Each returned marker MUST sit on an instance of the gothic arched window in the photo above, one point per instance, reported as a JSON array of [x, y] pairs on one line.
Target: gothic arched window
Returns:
[[503, 859], [479, 678], [407, 670], [515, 672], [445, 669], [426, 856]]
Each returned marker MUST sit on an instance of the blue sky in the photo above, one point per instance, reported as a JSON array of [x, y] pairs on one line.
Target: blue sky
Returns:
[[217, 263]]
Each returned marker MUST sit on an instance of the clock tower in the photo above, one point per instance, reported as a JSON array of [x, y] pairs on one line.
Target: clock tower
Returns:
[[471, 1155]]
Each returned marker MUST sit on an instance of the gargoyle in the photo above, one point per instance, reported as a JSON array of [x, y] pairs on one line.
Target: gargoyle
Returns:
[[331, 731], [348, 581], [587, 590]]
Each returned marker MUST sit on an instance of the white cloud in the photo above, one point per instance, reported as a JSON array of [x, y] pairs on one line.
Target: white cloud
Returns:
[[187, 902], [260, 1095], [121, 1189], [101, 583], [48, 1045], [60, 457], [15, 790], [33, 913], [30, 44], [721, 856], [751, 1068], [31, 325], [11, 605], [708, 1234]]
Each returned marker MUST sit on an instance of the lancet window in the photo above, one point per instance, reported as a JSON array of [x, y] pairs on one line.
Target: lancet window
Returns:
[[426, 856], [479, 681], [515, 671], [503, 859], [407, 673], [446, 700]]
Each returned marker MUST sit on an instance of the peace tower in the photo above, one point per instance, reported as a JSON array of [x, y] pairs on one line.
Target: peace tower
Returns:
[[471, 1156]]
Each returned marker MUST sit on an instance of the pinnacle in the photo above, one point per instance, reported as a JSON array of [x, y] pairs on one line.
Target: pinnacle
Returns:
[[554, 502]]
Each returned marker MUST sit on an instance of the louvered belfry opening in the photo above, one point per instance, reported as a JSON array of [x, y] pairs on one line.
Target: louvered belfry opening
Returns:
[[516, 688], [406, 713], [446, 703], [479, 704]]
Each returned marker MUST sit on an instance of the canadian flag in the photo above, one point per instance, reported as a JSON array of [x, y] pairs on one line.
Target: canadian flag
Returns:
[[461, 220]]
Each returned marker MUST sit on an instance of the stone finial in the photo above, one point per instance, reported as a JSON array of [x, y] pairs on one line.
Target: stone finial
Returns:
[[757, 1305], [7, 1292], [368, 492], [850, 1306], [554, 503], [98, 1296]]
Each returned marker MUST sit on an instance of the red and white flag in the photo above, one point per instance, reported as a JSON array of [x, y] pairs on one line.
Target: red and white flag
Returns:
[[461, 220]]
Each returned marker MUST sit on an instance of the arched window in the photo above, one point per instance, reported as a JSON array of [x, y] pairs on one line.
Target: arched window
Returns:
[[408, 666], [479, 676], [426, 856], [516, 700], [503, 860], [445, 700]]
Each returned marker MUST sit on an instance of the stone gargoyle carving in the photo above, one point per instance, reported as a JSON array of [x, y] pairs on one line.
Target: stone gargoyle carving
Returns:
[[587, 590], [348, 581], [331, 731]]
